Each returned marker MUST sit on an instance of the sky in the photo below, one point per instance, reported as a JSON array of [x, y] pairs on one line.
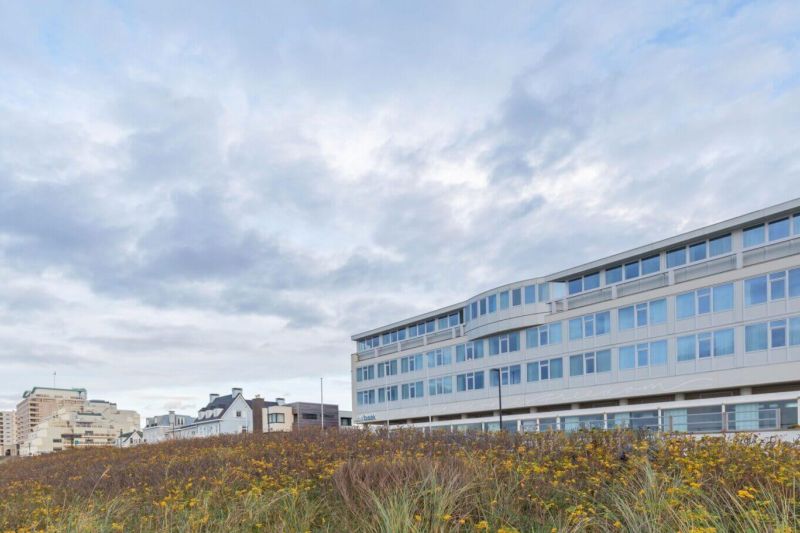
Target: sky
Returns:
[[197, 196]]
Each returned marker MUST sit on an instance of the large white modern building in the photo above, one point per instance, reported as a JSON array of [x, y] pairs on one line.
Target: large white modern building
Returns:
[[699, 332]]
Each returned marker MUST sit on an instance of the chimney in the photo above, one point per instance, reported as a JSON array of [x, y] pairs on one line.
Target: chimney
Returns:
[[235, 392], [172, 412], [280, 401], [258, 404], [213, 396]]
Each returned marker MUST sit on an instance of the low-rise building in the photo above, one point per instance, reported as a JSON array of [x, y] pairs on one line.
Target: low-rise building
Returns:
[[223, 415], [91, 423], [132, 438], [162, 427]]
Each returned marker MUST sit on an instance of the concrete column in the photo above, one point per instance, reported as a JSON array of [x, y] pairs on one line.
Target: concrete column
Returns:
[[532, 410], [745, 391], [680, 396], [575, 406], [623, 401]]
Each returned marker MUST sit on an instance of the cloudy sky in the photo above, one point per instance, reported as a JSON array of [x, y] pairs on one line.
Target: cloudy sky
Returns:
[[195, 197]]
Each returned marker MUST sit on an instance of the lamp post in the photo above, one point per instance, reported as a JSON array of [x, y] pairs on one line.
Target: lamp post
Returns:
[[499, 395]]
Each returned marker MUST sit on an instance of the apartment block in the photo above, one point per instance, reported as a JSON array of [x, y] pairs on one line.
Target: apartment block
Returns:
[[699, 333], [90, 423], [8, 439], [40, 403]]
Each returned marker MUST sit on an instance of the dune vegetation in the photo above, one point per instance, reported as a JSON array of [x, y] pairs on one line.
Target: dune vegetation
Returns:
[[408, 481]]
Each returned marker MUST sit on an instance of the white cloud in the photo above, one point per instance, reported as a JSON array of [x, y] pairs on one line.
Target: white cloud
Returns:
[[193, 199]]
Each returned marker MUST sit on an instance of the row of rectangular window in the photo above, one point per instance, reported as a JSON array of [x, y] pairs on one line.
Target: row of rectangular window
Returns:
[[652, 264], [760, 336], [772, 334], [774, 286], [699, 251], [414, 330], [503, 300], [772, 231]]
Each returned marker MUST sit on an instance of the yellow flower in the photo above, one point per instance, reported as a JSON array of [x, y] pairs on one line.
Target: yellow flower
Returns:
[[745, 494], [418, 518], [618, 524]]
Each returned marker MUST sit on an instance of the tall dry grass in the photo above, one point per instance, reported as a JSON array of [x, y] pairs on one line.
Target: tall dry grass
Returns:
[[358, 481]]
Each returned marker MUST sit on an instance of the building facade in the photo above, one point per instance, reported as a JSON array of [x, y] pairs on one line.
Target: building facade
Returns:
[[40, 403], [223, 415], [91, 423], [8, 433], [699, 332], [161, 427]]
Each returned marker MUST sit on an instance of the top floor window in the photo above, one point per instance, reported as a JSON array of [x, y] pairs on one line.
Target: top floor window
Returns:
[[772, 231], [530, 294], [699, 251]]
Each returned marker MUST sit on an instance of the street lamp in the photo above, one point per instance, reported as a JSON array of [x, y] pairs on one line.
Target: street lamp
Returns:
[[499, 395]]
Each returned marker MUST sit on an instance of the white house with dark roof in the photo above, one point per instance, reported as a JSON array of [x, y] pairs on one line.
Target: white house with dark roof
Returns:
[[224, 415], [132, 438]]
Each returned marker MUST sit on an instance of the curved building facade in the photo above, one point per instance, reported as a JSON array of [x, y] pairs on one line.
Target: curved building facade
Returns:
[[699, 333]]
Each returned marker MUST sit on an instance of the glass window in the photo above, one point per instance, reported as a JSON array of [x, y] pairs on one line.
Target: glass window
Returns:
[[576, 328], [591, 281], [492, 303], [658, 311], [658, 353], [442, 323], [454, 320], [755, 290], [627, 357], [613, 275], [797, 224], [430, 326], [588, 326], [556, 368], [723, 297], [504, 300], [794, 330], [603, 360], [516, 297], [794, 282], [778, 229], [483, 306], [575, 285], [684, 305], [755, 337], [555, 333], [676, 257], [626, 318], [777, 333], [544, 291], [777, 285], [704, 345], [723, 342], [602, 323], [632, 270], [686, 348], [641, 315], [533, 371], [720, 245], [642, 355], [576, 365], [651, 264], [697, 252], [753, 236], [703, 301], [530, 294], [532, 338], [473, 310]]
